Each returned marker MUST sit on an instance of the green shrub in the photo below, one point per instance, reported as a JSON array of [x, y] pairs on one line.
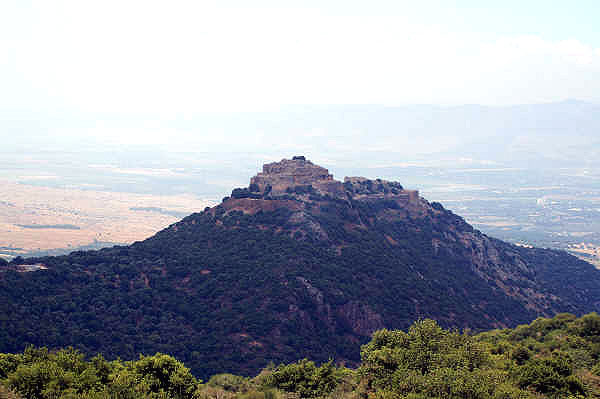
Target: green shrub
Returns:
[[229, 382], [304, 378], [549, 375]]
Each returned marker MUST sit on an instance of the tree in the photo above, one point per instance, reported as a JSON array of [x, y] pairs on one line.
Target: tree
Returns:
[[304, 378], [163, 373]]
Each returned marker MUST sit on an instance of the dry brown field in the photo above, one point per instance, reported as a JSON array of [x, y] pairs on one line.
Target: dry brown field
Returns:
[[587, 251], [83, 216]]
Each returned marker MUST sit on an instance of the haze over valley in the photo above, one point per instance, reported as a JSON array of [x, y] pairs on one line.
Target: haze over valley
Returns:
[[526, 174]]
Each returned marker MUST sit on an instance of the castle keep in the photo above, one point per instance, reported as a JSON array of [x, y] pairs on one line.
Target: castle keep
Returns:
[[299, 174]]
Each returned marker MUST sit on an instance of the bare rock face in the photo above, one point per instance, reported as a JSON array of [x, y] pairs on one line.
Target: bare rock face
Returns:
[[361, 318]]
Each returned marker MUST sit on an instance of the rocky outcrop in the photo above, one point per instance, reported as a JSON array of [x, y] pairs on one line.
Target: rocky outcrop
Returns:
[[361, 318]]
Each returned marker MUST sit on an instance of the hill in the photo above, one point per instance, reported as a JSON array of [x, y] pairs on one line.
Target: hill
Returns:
[[295, 265]]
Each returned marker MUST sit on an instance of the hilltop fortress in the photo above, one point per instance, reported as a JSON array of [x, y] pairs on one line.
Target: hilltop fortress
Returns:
[[300, 176]]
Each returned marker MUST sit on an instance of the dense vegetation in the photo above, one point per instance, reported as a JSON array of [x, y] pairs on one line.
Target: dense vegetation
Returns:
[[550, 358], [226, 290]]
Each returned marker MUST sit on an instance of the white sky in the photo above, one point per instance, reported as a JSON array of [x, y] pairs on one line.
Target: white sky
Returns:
[[199, 56], [194, 56]]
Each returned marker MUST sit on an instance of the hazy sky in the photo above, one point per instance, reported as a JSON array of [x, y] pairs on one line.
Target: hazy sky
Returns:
[[180, 57], [128, 56]]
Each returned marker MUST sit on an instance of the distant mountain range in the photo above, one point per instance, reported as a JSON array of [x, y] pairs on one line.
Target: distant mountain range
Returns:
[[566, 131], [295, 265], [497, 133]]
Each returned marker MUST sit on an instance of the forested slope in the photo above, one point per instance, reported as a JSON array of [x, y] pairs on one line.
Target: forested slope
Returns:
[[295, 265]]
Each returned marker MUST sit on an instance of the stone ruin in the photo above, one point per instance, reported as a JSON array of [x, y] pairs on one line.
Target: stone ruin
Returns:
[[301, 175], [290, 173]]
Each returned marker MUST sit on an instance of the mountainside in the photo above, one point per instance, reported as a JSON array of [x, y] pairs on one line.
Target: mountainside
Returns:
[[295, 265]]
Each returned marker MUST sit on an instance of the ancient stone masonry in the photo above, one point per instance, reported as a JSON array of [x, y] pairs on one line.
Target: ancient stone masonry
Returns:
[[299, 176], [281, 176], [363, 188], [362, 185]]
